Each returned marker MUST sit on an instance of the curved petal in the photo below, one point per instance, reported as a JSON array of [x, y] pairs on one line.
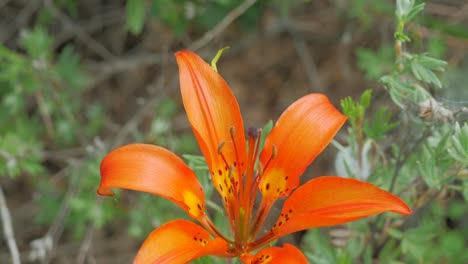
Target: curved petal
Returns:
[[179, 241], [152, 169], [271, 255], [331, 200], [215, 118], [301, 133]]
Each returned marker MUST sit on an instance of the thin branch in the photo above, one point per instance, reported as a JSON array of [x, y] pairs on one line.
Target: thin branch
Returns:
[[80, 33], [310, 68], [8, 229], [45, 114], [21, 19], [403, 156], [109, 68], [122, 64], [86, 245], [221, 26]]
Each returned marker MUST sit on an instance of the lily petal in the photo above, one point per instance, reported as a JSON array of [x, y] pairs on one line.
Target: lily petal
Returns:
[[215, 118], [331, 200], [152, 169], [271, 255], [179, 241], [300, 134]]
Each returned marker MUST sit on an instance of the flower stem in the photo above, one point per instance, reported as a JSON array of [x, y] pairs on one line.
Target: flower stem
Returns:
[[206, 222], [262, 213]]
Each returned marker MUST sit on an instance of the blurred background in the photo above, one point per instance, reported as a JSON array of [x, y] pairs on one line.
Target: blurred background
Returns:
[[81, 77]]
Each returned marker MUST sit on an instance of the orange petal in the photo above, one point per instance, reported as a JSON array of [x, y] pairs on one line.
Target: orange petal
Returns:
[[271, 255], [155, 170], [300, 134], [179, 241], [214, 115], [331, 200]]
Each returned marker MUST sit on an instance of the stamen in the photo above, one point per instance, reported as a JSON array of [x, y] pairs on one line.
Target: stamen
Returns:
[[248, 197], [220, 153], [274, 153], [254, 132], [232, 131], [220, 146]]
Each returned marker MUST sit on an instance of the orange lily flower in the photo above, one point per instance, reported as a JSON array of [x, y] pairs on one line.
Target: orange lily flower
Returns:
[[240, 171]]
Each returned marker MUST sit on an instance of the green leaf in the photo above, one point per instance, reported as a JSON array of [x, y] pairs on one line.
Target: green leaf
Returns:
[[366, 98], [380, 125], [217, 57], [69, 69], [173, 13], [395, 233], [406, 10], [403, 7], [375, 63], [465, 189], [37, 43], [135, 16], [423, 66], [265, 131], [458, 148], [416, 241], [414, 11]]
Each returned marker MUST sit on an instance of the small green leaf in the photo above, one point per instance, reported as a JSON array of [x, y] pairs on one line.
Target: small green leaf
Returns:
[[135, 16], [395, 233], [37, 43], [458, 147], [217, 57], [366, 98], [403, 8], [380, 125], [265, 131]]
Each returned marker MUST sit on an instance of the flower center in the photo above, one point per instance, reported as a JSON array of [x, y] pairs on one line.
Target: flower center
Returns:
[[238, 182]]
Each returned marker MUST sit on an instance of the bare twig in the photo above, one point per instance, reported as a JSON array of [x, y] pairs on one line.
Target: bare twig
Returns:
[[211, 34], [4, 3], [8, 229], [42, 248], [86, 245], [80, 33], [45, 115], [91, 25], [308, 63], [134, 122], [107, 69], [21, 19]]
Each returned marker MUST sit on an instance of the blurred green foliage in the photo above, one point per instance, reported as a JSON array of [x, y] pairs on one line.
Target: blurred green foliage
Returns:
[[419, 154], [183, 15], [419, 151]]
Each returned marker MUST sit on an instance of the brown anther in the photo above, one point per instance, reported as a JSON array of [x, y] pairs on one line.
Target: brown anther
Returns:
[[274, 151], [220, 146], [253, 132], [232, 130]]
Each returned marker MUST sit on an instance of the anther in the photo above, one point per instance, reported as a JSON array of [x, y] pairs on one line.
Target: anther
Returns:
[[232, 130], [220, 146], [253, 132], [275, 151]]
